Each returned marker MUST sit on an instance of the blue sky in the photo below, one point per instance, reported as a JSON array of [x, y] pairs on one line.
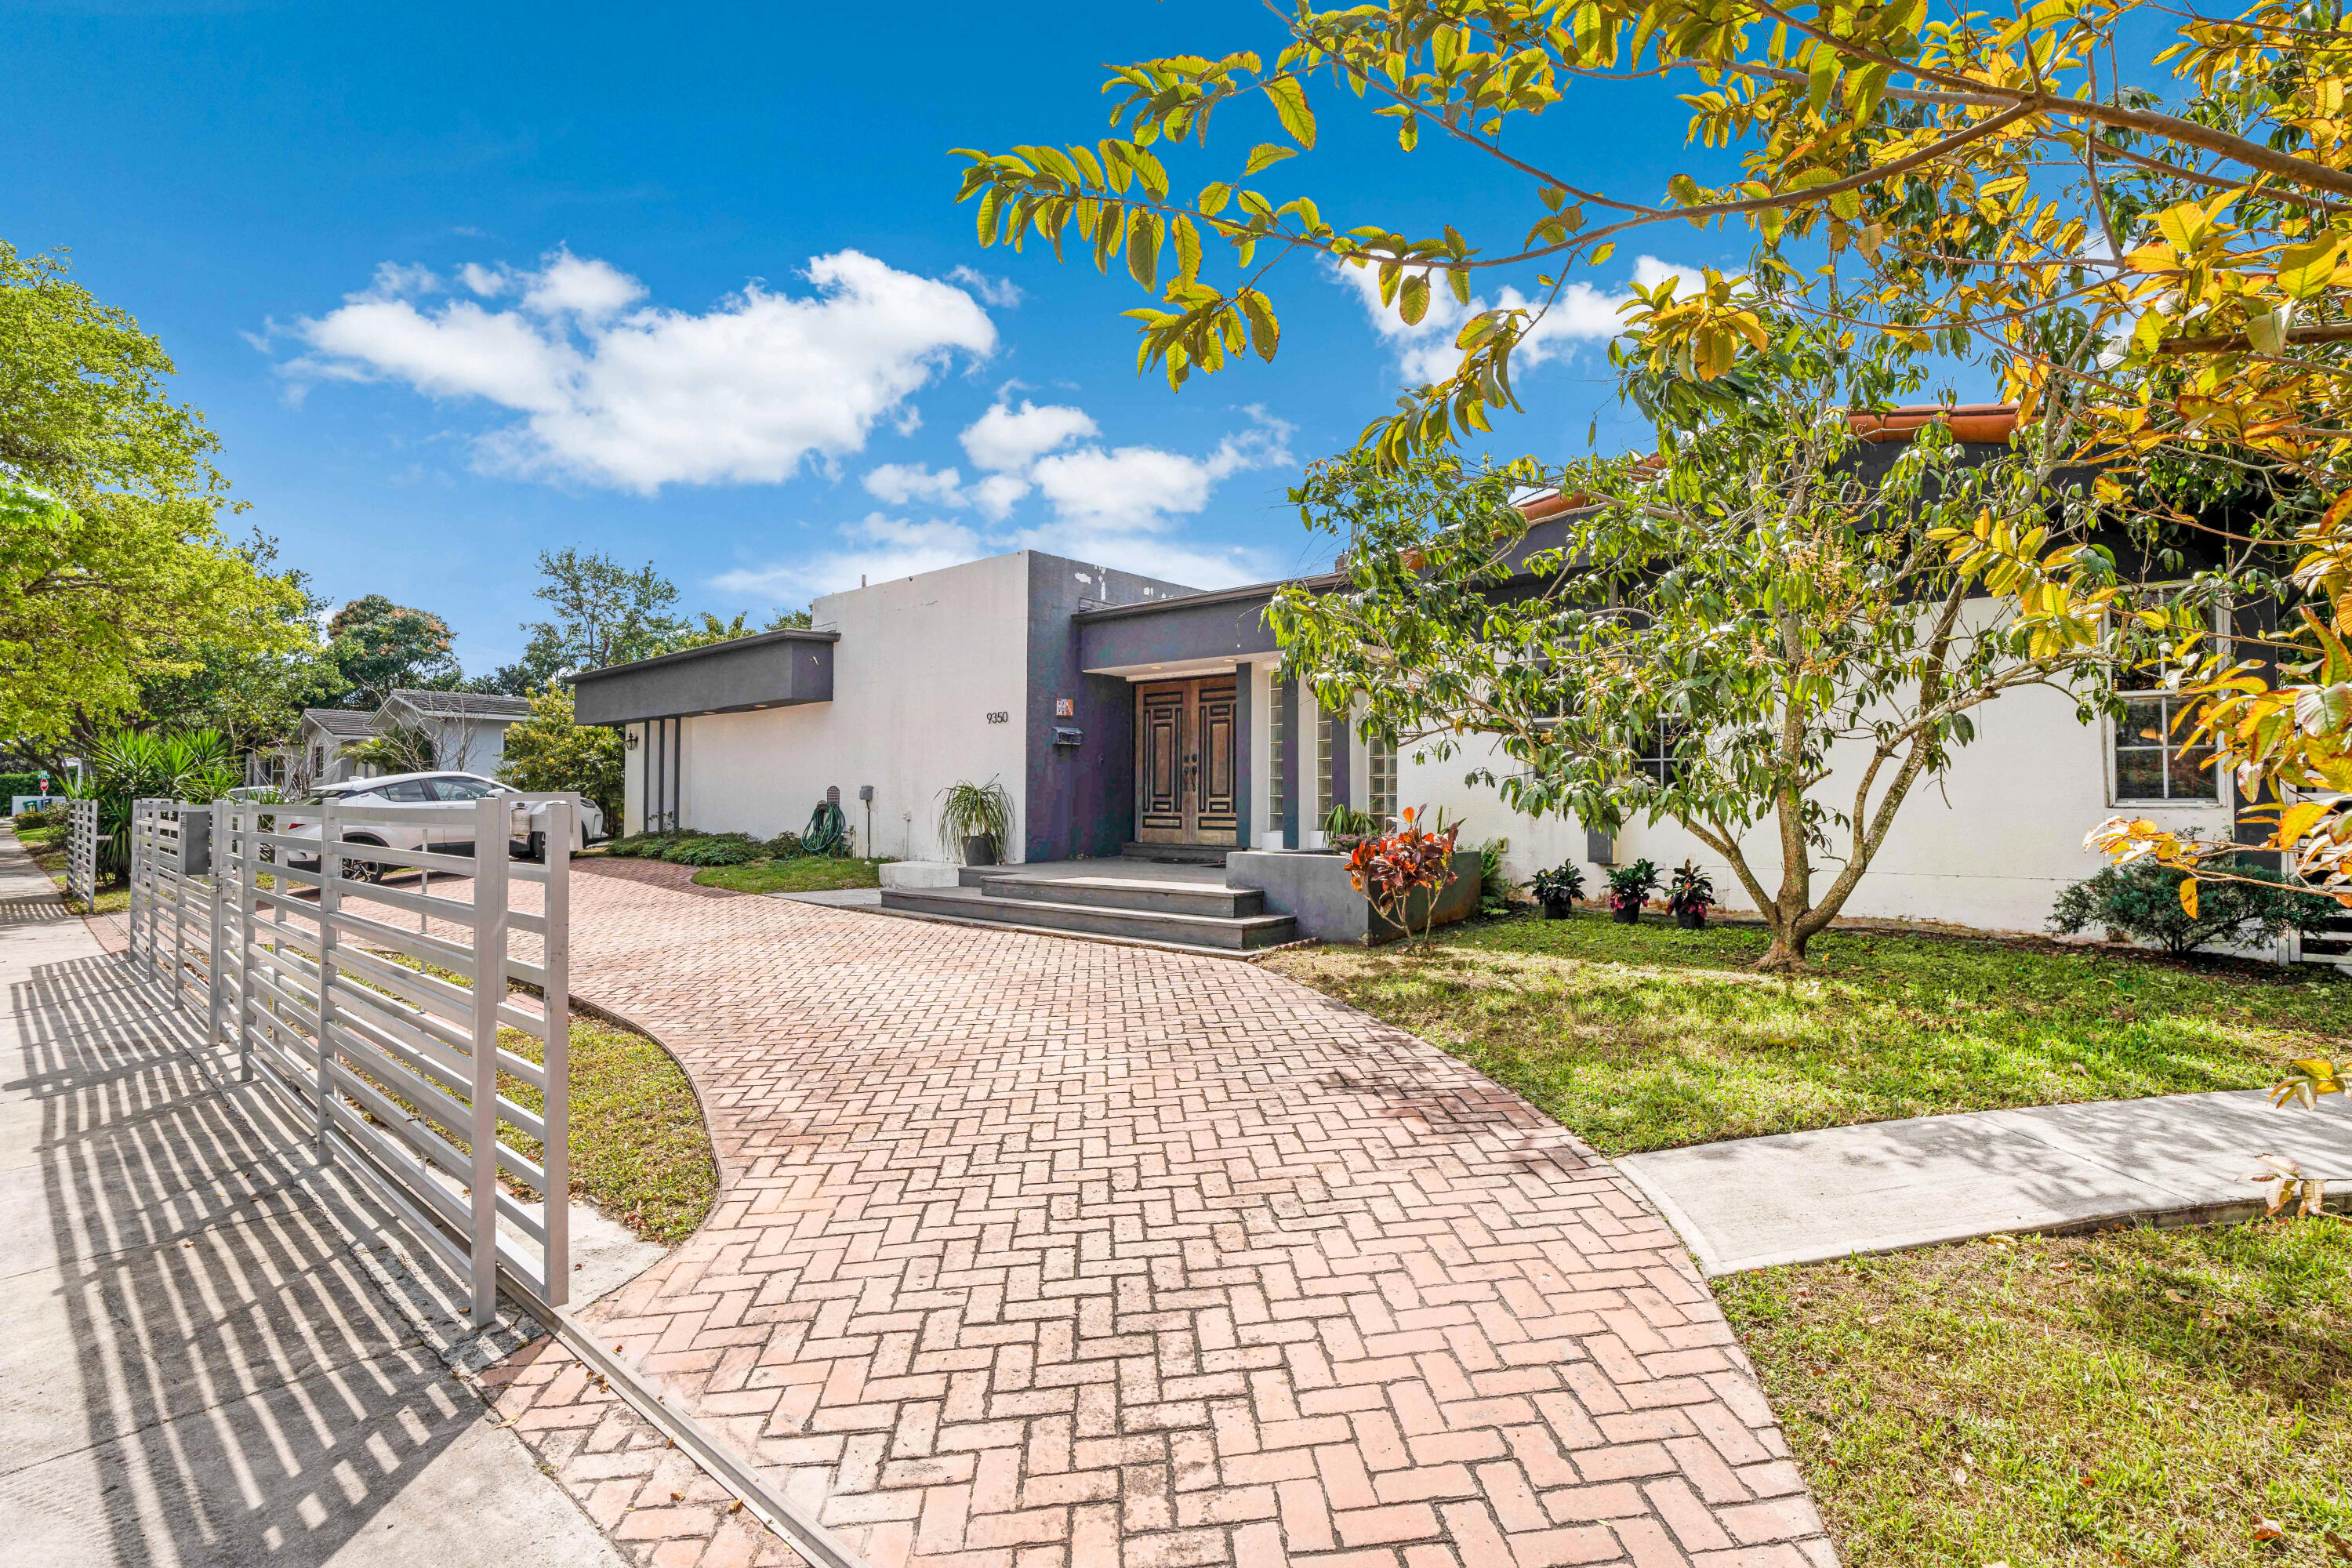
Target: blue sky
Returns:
[[685, 284]]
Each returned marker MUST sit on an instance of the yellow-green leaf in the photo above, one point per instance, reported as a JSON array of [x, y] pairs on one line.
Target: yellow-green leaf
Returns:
[[1266, 153], [1265, 334], [1188, 250], [1290, 108], [1413, 298]]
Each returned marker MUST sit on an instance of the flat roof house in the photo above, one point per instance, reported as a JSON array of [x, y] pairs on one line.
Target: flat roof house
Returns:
[[1130, 717]]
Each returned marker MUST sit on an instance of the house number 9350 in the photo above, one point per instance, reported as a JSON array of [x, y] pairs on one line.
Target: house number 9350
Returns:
[[999, 717]]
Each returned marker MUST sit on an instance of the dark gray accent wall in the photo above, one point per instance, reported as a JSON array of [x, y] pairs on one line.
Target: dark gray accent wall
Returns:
[[775, 669], [1213, 626], [1078, 800]]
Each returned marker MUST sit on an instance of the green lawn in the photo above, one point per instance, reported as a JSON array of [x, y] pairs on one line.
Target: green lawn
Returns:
[[1649, 1037], [639, 1151], [48, 847], [2139, 1397], [804, 874]]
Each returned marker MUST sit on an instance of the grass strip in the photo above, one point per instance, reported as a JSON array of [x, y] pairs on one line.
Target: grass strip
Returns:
[[2135, 1397]]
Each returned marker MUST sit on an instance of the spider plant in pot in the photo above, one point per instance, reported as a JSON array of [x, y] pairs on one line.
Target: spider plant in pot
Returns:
[[1688, 896], [1558, 889], [1630, 887], [979, 817]]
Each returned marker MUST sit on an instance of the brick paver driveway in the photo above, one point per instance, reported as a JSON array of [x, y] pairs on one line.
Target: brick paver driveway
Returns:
[[1094, 1257]]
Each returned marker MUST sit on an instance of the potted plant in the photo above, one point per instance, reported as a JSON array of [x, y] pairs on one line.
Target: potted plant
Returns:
[[1344, 827], [1558, 889], [977, 816], [1688, 896], [1630, 887]]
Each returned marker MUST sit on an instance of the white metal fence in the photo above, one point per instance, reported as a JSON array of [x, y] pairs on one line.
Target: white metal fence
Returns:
[[361, 964], [81, 851]]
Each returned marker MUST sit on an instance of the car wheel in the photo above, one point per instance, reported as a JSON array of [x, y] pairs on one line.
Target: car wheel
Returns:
[[538, 847], [360, 870]]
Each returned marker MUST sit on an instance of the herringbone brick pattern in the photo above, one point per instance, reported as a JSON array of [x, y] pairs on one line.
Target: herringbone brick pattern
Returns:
[[659, 1509], [1037, 1253]]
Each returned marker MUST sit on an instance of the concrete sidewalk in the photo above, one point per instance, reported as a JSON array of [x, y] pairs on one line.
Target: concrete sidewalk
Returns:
[[200, 1367], [1755, 1203]]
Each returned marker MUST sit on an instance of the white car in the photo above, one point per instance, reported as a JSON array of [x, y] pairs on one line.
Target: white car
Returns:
[[454, 792]]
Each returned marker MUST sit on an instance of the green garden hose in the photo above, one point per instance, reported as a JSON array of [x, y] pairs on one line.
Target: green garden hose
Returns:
[[828, 833]]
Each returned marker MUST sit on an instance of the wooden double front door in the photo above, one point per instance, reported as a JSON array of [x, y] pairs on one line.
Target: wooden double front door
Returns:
[[1187, 779]]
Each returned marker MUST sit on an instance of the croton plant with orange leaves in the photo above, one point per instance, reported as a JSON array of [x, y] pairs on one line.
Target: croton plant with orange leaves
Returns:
[[1391, 868]]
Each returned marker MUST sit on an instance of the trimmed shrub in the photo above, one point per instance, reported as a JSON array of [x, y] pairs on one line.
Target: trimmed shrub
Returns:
[[713, 849], [27, 820], [2142, 901]]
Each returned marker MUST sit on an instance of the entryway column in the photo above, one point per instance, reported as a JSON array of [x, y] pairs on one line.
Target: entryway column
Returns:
[[1244, 761]]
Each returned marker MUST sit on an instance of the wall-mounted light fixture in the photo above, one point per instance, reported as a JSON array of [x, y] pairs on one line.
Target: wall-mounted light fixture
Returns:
[[634, 735]]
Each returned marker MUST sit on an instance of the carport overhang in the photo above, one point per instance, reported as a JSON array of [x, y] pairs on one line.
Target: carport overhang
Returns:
[[772, 669]]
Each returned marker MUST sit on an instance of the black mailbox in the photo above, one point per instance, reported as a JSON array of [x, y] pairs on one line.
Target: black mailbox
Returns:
[[1064, 736]]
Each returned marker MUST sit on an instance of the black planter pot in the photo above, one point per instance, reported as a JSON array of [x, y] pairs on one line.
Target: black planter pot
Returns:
[[1560, 909], [1691, 920], [1626, 914], [979, 849]]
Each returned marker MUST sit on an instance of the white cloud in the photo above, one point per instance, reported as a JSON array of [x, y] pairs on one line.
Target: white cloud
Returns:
[[585, 287], [1002, 292], [1581, 314], [899, 483], [874, 548], [1006, 440], [1138, 488], [1117, 506], [616, 393], [996, 494]]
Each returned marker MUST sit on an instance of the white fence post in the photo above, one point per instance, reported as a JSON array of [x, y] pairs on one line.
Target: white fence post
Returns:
[[555, 1003], [331, 903], [493, 818], [136, 872]]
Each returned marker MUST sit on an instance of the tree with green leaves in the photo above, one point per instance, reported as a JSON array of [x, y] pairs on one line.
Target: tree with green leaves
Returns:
[[601, 614], [253, 696], [549, 750], [382, 647], [112, 563], [1745, 636]]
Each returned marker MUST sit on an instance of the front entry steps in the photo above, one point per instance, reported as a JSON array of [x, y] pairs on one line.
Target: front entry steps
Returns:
[[1184, 914], [1177, 854]]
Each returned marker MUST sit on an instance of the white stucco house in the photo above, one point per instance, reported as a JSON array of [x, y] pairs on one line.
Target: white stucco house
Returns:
[[1134, 718]]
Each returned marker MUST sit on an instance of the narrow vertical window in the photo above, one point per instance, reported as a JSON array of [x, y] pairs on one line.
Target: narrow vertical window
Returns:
[[1382, 767], [1322, 763], [1277, 740]]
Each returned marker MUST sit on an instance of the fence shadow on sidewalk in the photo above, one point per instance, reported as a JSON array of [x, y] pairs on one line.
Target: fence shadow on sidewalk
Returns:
[[209, 1372]]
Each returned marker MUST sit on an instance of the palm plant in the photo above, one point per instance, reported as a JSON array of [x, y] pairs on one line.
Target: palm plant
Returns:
[[134, 764], [968, 810]]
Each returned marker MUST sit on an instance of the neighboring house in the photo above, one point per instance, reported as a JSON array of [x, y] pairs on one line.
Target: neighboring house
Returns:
[[317, 755], [468, 730], [1128, 715]]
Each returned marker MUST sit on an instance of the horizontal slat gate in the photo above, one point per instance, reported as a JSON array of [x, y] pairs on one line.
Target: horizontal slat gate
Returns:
[[371, 987]]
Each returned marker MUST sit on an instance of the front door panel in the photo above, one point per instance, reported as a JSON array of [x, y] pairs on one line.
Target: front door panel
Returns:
[[1216, 785], [1160, 764]]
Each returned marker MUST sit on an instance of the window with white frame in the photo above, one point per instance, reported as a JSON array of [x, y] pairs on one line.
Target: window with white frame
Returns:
[[1657, 759], [2154, 761]]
